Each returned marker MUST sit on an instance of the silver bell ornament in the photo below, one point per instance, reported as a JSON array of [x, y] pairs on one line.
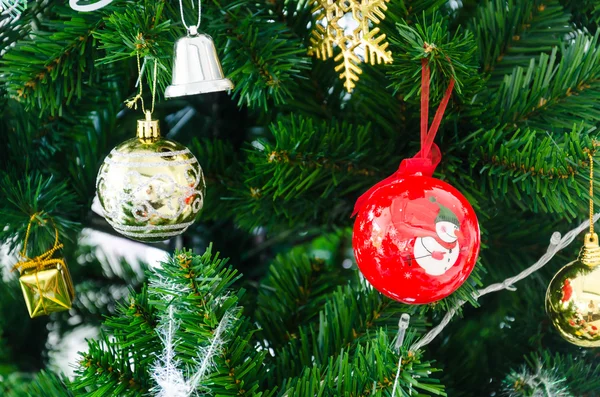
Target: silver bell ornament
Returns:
[[150, 188], [196, 67]]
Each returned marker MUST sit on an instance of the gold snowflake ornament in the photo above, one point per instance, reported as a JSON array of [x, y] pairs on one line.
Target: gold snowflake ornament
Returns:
[[349, 26]]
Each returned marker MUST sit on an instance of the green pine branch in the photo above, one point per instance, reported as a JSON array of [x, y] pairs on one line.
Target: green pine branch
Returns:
[[574, 370], [199, 290], [49, 69], [586, 13], [368, 369], [308, 160], [51, 200], [552, 93], [553, 374], [105, 369], [510, 33], [293, 292], [264, 60], [534, 170], [141, 29], [350, 317], [449, 55], [43, 384]]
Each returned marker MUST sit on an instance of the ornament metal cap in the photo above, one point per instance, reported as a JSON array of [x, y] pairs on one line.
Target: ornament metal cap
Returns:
[[196, 67], [148, 129], [590, 252]]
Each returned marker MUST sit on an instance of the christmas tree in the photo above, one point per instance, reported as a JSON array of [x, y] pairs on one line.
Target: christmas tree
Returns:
[[261, 294]]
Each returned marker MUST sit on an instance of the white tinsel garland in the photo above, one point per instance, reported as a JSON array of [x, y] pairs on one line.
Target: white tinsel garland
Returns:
[[539, 382], [166, 372], [206, 361]]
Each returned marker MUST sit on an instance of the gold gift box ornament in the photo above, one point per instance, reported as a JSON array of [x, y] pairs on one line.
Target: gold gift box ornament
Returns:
[[45, 280]]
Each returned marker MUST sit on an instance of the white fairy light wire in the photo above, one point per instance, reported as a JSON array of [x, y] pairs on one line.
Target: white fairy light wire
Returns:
[[556, 244], [402, 326]]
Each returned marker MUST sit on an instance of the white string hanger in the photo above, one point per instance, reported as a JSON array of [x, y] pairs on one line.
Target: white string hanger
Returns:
[[89, 7], [192, 30]]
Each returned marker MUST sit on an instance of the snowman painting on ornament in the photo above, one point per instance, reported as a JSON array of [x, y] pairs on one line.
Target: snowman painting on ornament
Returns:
[[428, 235], [438, 253], [436, 245]]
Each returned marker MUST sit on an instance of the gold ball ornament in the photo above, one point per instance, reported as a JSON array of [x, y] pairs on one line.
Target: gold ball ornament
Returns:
[[150, 188], [573, 297]]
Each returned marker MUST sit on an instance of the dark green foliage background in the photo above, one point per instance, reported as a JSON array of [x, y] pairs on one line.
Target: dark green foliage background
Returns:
[[285, 157]]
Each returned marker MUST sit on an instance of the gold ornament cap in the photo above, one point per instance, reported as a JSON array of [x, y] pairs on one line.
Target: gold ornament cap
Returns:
[[590, 252], [148, 129]]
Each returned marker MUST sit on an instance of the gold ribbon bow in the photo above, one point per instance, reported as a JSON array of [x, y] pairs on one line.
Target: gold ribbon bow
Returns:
[[43, 261]]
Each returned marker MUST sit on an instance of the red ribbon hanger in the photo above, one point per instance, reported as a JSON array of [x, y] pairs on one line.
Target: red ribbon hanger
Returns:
[[428, 158]]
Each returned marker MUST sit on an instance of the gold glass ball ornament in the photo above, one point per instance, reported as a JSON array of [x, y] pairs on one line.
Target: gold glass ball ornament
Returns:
[[573, 297], [150, 188]]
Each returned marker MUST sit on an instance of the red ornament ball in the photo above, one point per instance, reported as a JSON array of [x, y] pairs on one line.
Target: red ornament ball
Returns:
[[416, 239]]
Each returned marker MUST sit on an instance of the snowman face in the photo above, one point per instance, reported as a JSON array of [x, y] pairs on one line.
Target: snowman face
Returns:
[[446, 231]]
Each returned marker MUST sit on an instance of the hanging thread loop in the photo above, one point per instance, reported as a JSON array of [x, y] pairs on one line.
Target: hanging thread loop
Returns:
[[41, 261], [591, 191], [192, 30], [132, 103], [428, 134], [590, 252], [427, 159]]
